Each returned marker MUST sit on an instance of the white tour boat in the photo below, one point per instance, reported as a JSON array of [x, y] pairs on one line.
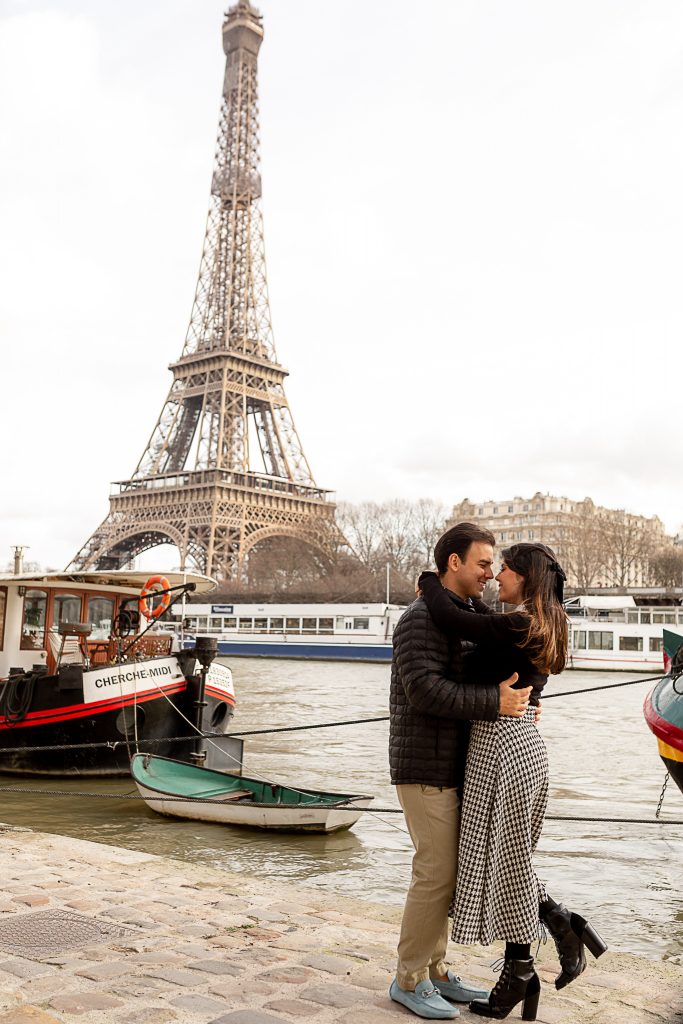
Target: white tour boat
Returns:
[[614, 633], [337, 632]]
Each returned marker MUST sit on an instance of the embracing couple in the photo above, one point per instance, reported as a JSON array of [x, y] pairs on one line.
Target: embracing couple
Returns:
[[474, 798]]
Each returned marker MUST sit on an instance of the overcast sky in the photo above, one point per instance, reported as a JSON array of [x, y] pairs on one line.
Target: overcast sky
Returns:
[[474, 234]]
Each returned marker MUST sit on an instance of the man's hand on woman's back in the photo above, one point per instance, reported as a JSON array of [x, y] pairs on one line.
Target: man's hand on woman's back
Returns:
[[513, 702]]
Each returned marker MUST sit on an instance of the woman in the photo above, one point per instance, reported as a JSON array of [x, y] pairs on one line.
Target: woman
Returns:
[[498, 894]]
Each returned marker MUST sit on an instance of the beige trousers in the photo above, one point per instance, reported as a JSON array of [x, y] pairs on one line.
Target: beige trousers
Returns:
[[433, 819]]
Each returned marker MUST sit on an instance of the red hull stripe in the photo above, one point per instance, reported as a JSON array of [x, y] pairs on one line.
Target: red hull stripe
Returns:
[[662, 729], [221, 695], [40, 718]]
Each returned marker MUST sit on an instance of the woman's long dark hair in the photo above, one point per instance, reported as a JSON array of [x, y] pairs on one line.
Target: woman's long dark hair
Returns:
[[542, 590]]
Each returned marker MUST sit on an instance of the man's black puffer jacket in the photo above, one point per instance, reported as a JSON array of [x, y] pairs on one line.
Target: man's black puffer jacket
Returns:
[[431, 704]]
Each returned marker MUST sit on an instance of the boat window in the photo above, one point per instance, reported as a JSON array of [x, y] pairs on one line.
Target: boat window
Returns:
[[655, 643], [340, 622], [631, 616], [261, 625], [216, 623], [293, 624], [202, 622], [600, 640], [326, 625], [669, 617], [579, 639], [361, 623], [308, 625], [100, 615], [645, 617], [67, 608], [230, 623], [630, 643], [3, 606], [277, 624], [33, 624], [658, 617], [246, 624]]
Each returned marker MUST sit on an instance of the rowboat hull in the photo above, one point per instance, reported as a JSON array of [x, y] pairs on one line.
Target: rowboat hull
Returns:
[[218, 805]]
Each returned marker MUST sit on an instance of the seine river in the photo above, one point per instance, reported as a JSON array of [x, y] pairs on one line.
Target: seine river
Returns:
[[604, 763]]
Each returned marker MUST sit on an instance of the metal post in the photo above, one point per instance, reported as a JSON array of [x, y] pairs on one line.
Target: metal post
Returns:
[[206, 648]]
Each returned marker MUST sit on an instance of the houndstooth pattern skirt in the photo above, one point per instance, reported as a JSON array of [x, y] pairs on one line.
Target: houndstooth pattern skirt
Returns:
[[504, 803]]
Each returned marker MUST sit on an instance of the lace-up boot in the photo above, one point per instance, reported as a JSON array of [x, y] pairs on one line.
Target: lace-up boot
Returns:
[[518, 982]]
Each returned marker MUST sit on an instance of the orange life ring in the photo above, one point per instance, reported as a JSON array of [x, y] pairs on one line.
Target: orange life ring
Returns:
[[153, 585]]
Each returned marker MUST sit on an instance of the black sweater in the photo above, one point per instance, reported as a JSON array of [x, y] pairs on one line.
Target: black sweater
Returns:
[[498, 637]]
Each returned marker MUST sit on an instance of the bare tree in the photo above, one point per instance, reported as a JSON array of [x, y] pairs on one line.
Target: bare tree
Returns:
[[666, 567], [582, 546], [430, 522], [627, 547]]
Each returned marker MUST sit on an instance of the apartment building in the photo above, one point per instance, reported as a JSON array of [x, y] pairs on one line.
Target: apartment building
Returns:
[[597, 546]]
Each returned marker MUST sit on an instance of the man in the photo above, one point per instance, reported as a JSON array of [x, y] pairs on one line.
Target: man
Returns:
[[431, 706]]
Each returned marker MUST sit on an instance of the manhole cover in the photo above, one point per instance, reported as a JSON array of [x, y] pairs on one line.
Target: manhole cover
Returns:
[[50, 932]]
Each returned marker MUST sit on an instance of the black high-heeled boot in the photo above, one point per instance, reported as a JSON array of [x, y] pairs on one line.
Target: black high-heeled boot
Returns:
[[571, 933], [518, 981]]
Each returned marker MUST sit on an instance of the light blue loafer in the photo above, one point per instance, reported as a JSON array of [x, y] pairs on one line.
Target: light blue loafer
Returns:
[[458, 990], [425, 1001]]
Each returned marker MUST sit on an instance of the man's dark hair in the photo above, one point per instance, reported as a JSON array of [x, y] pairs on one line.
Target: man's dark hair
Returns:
[[457, 541]]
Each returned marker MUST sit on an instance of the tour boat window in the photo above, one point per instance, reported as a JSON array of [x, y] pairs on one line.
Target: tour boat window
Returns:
[[630, 643], [3, 606], [216, 623], [202, 622], [326, 625], [100, 615], [230, 623], [33, 624], [308, 625], [67, 608], [340, 622], [669, 617], [261, 625], [361, 623], [655, 643], [277, 624], [645, 617], [631, 616], [599, 640], [580, 640], [246, 624], [293, 624], [658, 617]]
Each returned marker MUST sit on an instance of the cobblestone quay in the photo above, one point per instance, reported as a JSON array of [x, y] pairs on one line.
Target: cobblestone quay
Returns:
[[97, 933]]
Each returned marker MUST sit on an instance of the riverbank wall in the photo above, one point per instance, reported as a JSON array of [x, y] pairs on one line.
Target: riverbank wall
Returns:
[[96, 933]]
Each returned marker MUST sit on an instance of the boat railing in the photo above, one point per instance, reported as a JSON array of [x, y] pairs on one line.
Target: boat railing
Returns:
[[102, 652]]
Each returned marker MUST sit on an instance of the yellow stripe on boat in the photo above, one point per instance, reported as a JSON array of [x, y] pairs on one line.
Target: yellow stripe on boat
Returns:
[[669, 752]]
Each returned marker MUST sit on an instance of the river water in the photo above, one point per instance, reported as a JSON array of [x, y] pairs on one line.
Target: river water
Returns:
[[603, 763]]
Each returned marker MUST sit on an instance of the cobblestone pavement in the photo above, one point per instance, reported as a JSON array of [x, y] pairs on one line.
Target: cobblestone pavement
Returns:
[[97, 933]]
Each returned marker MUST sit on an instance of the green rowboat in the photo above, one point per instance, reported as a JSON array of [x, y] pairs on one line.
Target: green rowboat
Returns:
[[188, 791]]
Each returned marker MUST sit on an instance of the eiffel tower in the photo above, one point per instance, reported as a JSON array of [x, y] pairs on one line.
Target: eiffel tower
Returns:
[[195, 485]]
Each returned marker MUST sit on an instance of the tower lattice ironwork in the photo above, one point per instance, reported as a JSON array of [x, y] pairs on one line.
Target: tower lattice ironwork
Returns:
[[195, 484]]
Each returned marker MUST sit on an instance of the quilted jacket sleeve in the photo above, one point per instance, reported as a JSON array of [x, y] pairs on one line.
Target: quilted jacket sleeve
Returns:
[[422, 660]]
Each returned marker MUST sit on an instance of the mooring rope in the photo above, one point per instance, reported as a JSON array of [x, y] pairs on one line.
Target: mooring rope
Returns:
[[340, 805]]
